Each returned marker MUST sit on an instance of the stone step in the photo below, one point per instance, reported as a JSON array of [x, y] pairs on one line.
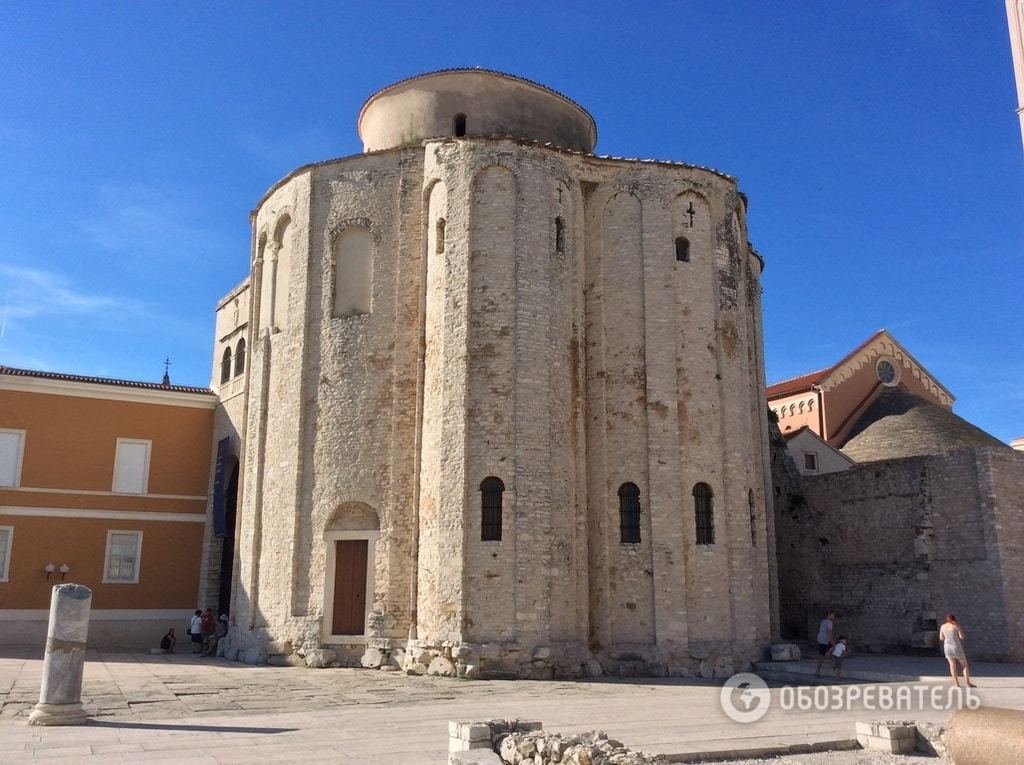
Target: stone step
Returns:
[[279, 647], [285, 660]]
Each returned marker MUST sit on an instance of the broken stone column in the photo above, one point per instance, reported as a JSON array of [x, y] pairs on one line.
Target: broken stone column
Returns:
[[985, 736], [60, 698]]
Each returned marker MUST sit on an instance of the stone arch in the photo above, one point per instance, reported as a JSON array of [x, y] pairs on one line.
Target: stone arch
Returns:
[[281, 262], [353, 516], [350, 539]]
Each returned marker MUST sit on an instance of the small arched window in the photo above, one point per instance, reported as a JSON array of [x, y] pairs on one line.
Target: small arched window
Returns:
[[753, 517], [629, 513], [704, 513], [682, 249], [459, 127], [439, 236], [225, 366], [240, 357], [559, 235], [491, 489]]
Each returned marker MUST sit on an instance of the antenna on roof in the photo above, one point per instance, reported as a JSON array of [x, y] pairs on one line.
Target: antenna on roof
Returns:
[[167, 377]]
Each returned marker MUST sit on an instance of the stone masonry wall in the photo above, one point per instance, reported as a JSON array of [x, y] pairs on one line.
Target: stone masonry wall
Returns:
[[895, 545], [564, 368]]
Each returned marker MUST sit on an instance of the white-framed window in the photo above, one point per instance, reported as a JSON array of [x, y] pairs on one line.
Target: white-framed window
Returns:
[[131, 466], [6, 540], [12, 451], [124, 555], [811, 462]]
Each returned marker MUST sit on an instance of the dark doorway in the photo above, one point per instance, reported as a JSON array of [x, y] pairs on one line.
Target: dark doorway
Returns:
[[227, 550]]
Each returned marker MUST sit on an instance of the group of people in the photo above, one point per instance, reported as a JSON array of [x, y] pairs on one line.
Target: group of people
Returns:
[[207, 631], [829, 646], [951, 636]]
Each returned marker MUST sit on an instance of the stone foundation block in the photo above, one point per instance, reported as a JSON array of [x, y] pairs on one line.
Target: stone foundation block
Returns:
[[785, 652], [441, 666], [893, 737], [318, 658]]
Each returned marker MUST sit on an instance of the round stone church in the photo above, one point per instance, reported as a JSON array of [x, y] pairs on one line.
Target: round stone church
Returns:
[[493, 405]]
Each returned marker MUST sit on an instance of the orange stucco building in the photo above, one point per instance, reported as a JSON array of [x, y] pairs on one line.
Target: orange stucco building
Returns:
[[831, 401], [103, 483]]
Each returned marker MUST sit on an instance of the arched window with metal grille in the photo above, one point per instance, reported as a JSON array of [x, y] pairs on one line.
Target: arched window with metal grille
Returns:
[[629, 513], [704, 513], [682, 249], [491, 489], [240, 357], [225, 366]]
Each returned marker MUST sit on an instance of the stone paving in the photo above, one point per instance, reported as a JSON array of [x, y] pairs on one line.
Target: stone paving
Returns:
[[181, 708]]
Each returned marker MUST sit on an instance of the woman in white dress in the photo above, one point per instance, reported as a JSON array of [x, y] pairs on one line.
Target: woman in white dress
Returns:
[[952, 636]]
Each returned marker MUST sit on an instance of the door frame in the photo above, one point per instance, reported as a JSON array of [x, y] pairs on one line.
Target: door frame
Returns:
[[330, 543]]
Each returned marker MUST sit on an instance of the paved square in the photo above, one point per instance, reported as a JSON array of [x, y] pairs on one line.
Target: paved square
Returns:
[[185, 709]]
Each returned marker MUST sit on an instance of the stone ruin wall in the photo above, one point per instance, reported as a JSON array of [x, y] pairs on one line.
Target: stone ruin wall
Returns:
[[895, 545], [568, 376]]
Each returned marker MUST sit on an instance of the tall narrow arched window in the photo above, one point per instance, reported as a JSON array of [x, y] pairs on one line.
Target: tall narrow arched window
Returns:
[[629, 513], [753, 517], [225, 366], [459, 125], [559, 235], [682, 249], [439, 236], [240, 357], [703, 510], [491, 489]]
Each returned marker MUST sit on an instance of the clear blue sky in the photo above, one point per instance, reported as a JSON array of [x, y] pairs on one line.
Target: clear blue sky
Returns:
[[877, 142]]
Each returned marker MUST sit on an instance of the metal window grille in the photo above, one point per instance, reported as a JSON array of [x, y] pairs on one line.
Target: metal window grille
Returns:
[[559, 235], [753, 517], [491, 490], [225, 366], [704, 514], [240, 357], [629, 513], [683, 249]]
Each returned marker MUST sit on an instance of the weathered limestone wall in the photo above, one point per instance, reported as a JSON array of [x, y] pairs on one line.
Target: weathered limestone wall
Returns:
[[564, 366], [895, 545]]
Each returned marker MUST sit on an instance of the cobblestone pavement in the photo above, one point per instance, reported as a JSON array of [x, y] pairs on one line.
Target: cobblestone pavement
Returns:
[[185, 709]]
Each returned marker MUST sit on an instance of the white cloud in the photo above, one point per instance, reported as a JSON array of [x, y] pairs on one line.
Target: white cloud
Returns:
[[31, 293]]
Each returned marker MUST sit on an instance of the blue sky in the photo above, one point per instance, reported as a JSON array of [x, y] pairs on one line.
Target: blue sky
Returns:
[[877, 142]]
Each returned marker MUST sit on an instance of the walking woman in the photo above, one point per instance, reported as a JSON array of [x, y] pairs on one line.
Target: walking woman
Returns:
[[952, 636]]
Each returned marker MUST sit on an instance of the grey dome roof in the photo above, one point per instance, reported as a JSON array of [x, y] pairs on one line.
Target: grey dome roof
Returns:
[[899, 424]]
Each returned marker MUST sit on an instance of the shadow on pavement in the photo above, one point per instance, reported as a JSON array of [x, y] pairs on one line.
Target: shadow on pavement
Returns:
[[183, 727]]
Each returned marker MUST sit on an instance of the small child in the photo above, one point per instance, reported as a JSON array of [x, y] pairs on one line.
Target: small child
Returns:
[[839, 651]]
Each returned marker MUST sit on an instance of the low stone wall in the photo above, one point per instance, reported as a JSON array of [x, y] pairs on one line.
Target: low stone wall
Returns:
[[519, 742]]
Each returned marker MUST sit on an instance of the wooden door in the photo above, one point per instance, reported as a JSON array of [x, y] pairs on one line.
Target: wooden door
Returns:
[[349, 587]]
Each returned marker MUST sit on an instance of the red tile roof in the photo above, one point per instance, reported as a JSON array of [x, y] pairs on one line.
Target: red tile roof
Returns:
[[102, 381], [797, 384], [806, 381]]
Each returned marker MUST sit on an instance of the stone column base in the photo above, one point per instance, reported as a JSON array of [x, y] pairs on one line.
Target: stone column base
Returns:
[[57, 714]]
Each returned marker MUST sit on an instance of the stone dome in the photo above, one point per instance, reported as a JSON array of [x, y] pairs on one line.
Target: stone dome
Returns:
[[899, 424], [472, 103]]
